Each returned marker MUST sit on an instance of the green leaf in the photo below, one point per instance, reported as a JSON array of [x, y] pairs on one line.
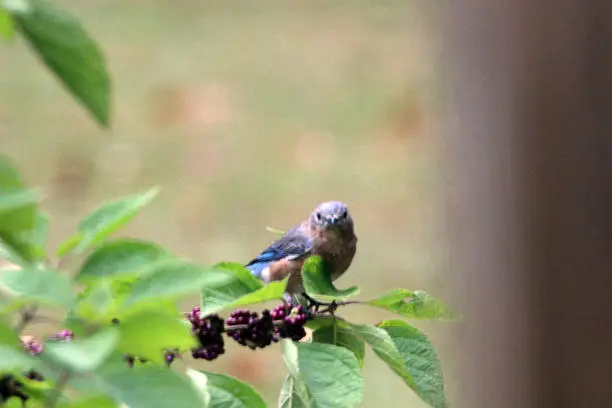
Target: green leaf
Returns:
[[289, 397], [199, 381], [8, 335], [38, 236], [45, 286], [97, 303], [341, 337], [217, 300], [13, 200], [415, 304], [17, 214], [98, 401], [385, 349], [36, 390], [66, 49], [420, 359], [240, 283], [13, 358], [151, 386], [229, 392], [17, 203], [318, 284], [105, 220], [172, 279], [272, 291], [148, 334], [82, 355], [319, 366], [7, 30], [120, 258]]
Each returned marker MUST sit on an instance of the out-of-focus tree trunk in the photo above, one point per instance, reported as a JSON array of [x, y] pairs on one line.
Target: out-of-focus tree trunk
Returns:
[[529, 154]]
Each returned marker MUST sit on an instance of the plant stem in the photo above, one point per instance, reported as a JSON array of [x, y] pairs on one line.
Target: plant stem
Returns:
[[57, 392], [27, 315], [246, 326]]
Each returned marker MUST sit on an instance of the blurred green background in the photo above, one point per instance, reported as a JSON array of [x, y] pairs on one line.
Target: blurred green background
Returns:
[[248, 114]]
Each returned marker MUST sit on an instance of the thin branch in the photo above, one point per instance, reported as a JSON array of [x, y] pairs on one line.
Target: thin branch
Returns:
[[57, 392], [27, 315]]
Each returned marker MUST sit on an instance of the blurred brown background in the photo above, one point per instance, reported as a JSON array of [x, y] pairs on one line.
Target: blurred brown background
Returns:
[[248, 114]]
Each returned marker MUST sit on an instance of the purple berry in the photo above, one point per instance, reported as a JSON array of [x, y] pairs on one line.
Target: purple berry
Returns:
[[32, 346], [208, 330], [64, 335], [290, 321]]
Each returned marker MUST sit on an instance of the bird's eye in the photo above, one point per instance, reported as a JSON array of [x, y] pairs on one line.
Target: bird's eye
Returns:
[[344, 214], [318, 215]]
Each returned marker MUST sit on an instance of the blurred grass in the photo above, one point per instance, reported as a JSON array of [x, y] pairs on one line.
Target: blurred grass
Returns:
[[248, 114]]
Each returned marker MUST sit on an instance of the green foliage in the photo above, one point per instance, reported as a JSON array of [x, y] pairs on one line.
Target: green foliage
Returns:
[[18, 215], [7, 25], [172, 279], [121, 258], [160, 331], [98, 303], [420, 359], [139, 283], [382, 344], [83, 355], [98, 401], [67, 50], [342, 336], [152, 387], [226, 391], [105, 220], [318, 283], [12, 358], [290, 396], [240, 288], [38, 285], [414, 304], [316, 368]]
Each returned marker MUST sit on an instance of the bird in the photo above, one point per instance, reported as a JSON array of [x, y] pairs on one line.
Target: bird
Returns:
[[329, 232]]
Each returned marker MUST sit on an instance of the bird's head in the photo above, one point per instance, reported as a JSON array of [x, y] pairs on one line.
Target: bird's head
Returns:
[[332, 215]]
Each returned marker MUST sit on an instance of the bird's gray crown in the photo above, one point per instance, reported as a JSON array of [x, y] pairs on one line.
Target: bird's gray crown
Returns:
[[331, 213]]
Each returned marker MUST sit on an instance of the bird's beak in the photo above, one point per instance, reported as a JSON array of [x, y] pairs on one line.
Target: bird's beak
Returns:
[[332, 219]]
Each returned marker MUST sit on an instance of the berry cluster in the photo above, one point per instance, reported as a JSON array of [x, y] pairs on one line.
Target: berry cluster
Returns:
[[208, 330], [32, 346], [246, 328], [293, 320], [11, 387], [251, 330], [35, 348]]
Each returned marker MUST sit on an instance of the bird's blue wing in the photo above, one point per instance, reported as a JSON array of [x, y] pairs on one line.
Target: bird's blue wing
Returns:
[[293, 244]]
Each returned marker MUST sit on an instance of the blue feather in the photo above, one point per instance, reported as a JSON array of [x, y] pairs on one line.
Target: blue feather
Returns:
[[294, 243]]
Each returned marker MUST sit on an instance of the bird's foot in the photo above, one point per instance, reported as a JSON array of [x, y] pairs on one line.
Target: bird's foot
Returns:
[[315, 305]]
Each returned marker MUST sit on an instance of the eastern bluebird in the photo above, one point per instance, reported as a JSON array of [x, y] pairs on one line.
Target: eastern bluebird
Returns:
[[329, 233]]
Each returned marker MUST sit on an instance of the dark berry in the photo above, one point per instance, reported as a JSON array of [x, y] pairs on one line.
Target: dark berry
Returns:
[[11, 387], [208, 330], [171, 355], [289, 321], [34, 375], [251, 330]]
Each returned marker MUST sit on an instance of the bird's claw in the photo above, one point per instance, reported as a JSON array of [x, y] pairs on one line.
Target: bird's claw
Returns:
[[331, 307]]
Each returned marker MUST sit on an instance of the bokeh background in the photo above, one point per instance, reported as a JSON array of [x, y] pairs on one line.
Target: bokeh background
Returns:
[[249, 113]]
